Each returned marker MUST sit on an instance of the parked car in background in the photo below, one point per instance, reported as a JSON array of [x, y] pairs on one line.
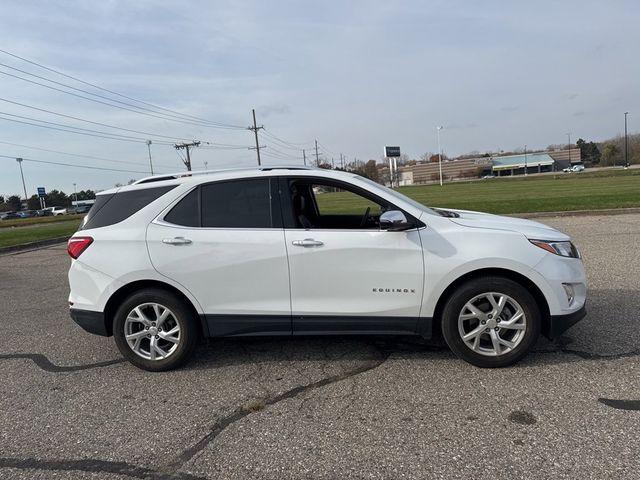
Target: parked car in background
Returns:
[[55, 211], [43, 213], [80, 209], [9, 216], [264, 251], [574, 168], [27, 213]]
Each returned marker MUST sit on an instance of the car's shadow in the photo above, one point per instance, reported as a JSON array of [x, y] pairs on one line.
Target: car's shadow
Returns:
[[609, 330], [224, 352]]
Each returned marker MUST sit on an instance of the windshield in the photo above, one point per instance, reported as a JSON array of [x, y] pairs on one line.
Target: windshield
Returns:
[[399, 196]]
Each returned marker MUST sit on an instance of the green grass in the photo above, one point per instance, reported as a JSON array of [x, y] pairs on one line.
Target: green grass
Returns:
[[19, 236], [22, 222], [547, 193]]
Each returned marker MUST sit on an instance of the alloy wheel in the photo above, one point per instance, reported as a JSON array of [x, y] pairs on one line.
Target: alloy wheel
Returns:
[[492, 324], [152, 331]]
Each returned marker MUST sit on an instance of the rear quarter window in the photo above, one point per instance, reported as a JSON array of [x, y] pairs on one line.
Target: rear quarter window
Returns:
[[116, 207]]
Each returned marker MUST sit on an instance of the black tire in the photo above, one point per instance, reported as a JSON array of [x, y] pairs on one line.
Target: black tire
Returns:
[[470, 290], [183, 315]]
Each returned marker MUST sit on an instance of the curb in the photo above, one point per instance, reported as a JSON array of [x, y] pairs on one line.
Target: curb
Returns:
[[576, 213], [28, 247]]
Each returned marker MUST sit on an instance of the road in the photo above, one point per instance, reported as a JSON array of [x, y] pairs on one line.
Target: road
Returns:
[[323, 407]]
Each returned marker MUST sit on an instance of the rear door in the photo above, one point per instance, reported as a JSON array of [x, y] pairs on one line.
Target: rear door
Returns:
[[224, 242], [346, 274]]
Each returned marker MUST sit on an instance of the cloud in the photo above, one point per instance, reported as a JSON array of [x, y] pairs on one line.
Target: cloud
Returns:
[[354, 75], [457, 126], [275, 109]]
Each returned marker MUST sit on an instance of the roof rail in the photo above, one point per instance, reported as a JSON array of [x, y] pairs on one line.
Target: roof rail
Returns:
[[170, 176]]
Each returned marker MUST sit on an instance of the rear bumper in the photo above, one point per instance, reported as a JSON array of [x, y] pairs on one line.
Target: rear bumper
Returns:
[[561, 323], [92, 322]]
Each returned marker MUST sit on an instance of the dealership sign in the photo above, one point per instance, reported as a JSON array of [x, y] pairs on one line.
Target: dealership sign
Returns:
[[392, 152]]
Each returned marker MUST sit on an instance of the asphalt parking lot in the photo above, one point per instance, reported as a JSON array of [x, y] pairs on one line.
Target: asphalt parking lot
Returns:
[[323, 407]]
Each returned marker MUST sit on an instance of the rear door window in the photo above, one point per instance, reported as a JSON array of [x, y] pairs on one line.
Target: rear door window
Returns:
[[228, 204], [237, 204]]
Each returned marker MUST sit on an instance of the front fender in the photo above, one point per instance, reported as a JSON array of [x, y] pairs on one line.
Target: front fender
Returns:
[[435, 285]]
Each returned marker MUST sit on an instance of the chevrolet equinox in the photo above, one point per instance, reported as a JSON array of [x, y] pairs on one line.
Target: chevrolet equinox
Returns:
[[296, 251]]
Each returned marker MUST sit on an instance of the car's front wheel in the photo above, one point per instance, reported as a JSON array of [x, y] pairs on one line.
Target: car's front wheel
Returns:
[[491, 322], [155, 330]]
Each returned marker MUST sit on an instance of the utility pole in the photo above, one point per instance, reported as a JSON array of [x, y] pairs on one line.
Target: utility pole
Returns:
[[304, 157], [186, 146], [439, 154], [626, 147], [525, 159], [75, 192], [341, 161], [19, 160], [149, 148], [317, 160], [569, 145], [255, 129]]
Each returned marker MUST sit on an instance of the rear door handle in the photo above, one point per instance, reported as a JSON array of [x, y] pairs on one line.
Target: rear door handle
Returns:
[[307, 242], [176, 241]]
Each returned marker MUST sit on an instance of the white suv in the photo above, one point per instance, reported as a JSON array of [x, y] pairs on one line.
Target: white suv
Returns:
[[55, 211], [289, 251]]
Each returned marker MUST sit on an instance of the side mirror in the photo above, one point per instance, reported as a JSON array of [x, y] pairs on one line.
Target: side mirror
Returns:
[[394, 221]]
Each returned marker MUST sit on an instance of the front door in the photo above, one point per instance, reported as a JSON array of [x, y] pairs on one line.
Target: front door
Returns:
[[347, 275]]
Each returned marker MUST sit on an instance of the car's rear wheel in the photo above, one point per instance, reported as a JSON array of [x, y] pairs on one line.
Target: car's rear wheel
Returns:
[[155, 330], [491, 322]]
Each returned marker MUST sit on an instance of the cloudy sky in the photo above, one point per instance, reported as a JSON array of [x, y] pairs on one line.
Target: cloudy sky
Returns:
[[355, 75]]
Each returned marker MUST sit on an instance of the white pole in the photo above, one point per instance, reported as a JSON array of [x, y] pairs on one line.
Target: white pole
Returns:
[[395, 171], [150, 162], [439, 154], [391, 172]]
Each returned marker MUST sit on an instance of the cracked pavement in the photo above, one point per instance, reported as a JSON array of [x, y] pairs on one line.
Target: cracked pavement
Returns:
[[334, 407]]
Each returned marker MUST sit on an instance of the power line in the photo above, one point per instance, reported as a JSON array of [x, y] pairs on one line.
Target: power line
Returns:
[[223, 146], [294, 146], [73, 165], [284, 154], [102, 159], [65, 128], [186, 116], [278, 157], [90, 121], [168, 117], [325, 148], [164, 115], [111, 105]]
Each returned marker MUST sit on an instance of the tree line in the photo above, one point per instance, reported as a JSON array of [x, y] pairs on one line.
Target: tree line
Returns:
[[55, 198]]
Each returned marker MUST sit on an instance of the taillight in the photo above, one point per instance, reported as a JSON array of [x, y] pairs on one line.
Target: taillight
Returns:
[[77, 245]]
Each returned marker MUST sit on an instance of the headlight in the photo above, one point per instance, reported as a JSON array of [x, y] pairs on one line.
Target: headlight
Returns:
[[564, 249]]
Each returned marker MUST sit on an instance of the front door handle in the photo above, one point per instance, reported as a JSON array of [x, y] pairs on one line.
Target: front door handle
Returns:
[[307, 242], [176, 241]]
